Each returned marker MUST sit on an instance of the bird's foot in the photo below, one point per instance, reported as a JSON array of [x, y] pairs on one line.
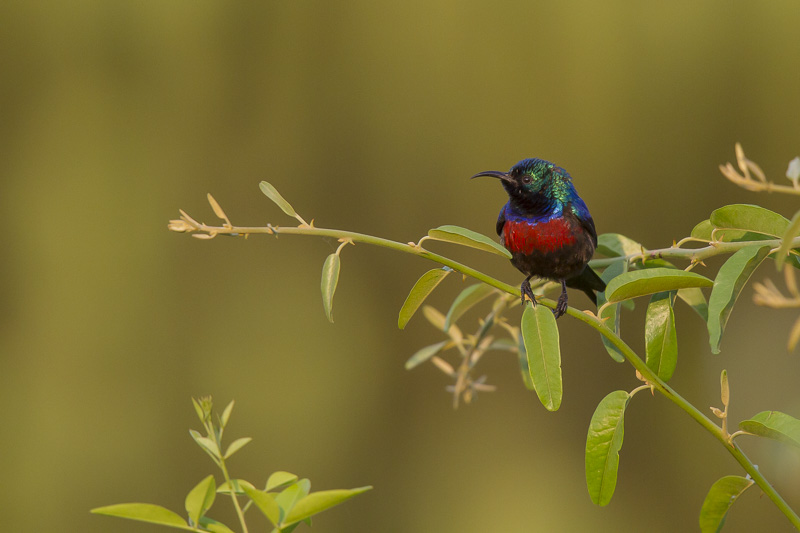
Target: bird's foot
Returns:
[[526, 290], [561, 304]]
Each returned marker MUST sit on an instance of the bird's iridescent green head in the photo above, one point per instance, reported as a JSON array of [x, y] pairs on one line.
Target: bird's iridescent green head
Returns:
[[535, 184]]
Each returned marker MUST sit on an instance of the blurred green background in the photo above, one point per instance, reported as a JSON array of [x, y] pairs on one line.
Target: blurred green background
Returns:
[[367, 116]]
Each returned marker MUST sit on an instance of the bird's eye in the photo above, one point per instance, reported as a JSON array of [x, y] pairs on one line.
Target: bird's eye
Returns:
[[526, 179]]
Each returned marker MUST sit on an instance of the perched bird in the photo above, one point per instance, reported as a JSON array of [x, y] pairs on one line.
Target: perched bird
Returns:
[[547, 228]]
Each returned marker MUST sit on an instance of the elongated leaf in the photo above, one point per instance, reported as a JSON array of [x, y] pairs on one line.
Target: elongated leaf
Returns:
[[650, 281], [421, 289], [750, 218], [237, 445], [238, 486], [330, 278], [603, 443], [729, 283], [523, 363], [316, 502], [423, 354], [774, 425], [207, 444], [465, 237], [276, 197], [213, 526], [718, 502], [292, 494], [433, 316], [792, 231], [540, 336], [464, 301], [611, 314], [794, 336], [695, 298], [144, 512], [280, 479], [616, 245], [226, 414], [266, 504], [200, 498], [661, 338]]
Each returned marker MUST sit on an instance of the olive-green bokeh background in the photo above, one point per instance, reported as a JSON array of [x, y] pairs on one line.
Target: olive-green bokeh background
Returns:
[[367, 116]]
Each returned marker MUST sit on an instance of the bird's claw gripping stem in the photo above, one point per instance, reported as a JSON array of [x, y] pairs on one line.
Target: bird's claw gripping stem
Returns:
[[526, 290]]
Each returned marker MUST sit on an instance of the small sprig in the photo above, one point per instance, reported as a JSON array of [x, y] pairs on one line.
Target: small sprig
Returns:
[[751, 177]]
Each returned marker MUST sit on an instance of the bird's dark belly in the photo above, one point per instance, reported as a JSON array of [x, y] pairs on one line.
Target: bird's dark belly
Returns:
[[555, 249]]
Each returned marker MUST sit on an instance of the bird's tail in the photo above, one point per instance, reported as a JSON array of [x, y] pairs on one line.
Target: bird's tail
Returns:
[[588, 281]]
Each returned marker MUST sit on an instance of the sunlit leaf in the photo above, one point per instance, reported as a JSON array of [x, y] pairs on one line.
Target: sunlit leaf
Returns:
[[421, 289], [330, 278], [292, 494], [603, 443], [695, 298], [611, 314], [216, 208], [540, 336], [464, 301], [207, 444], [317, 502], [433, 316], [774, 425], [792, 231], [650, 281], [616, 245], [200, 498], [794, 335], [749, 218], [266, 504], [226, 414], [465, 237], [718, 502], [661, 338], [211, 525], [728, 284], [236, 445], [238, 486], [423, 354], [280, 479], [144, 512], [276, 197]]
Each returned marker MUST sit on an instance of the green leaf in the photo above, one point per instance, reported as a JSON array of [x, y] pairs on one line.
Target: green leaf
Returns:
[[464, 301], [209, 524], [540, 336], [330, 278], [238, 486], [200, 498], [292, 494], [729, 283], [317, 502], [421, 289], [661, 338], [523, 364], [237, 445], [465, 237], [718, 502], [650, 281], [603, 443], [611, 314], [423, 354], [774, 425], [226, 414], [695, 298], [616, 245], [266, 504], [207, 444], [750, 218], [792, 231], [276, 197], [703, 230], [434, 317], [144, 512], [280, 479]]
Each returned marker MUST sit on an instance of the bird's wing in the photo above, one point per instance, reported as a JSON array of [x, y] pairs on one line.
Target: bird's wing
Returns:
[[585, 219], [501, 221]]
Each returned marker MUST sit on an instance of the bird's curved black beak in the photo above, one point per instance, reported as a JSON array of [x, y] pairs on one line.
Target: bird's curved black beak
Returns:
[[494, 174]]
